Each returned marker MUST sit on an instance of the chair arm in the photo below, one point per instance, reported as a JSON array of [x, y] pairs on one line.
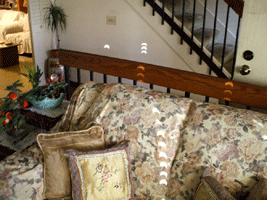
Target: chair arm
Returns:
[[11, 28]]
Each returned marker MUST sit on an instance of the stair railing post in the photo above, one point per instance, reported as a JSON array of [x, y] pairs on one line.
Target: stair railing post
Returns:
[[214, 28], [173, 4], [193, 25], [183, 13], [79, 76], [153, 7], [225, 36], [203, 30], [163, 12]]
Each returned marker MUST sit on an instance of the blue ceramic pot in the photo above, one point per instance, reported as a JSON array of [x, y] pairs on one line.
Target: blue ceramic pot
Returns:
[[47, 103]]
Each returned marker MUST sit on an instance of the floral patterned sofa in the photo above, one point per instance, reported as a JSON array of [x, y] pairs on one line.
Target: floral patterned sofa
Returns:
[[173, 140]]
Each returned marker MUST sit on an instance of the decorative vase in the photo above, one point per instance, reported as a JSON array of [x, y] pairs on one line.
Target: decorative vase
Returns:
[[47, 103], [55, 68]]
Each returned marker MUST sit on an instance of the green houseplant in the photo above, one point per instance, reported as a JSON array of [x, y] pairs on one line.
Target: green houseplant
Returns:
[[47, 96], [55, 18]]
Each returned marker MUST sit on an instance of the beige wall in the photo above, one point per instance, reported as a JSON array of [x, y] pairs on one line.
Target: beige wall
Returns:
[[41, 37], [253, 36], [87, 31]]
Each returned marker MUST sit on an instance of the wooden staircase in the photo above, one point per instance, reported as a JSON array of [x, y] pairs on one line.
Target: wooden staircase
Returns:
[[190, 21]]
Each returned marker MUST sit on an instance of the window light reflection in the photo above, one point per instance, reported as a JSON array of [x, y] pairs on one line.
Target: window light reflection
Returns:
[[163, 164], [162, 154], [163, 181], [164, 174], [162, 144], [155, 110], [144, 48], [161, 133], [106, 46]]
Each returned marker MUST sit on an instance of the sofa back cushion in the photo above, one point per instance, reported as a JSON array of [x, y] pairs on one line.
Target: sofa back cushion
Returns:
[[230, 141], [150, 120], [2, 11], [11, 16]]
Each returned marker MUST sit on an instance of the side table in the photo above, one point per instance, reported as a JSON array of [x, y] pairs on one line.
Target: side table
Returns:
[[8, 55], [45, 119], [37, 121]]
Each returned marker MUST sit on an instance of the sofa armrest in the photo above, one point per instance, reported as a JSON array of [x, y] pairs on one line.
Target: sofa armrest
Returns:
[[11, 28]]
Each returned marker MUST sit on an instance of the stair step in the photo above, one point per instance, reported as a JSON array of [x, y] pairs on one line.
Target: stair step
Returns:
[[188, 21], [228, 57], [208, 35], [178, 6]]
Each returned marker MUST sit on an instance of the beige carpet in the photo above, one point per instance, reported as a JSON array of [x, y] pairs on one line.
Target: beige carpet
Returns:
[[11, 74]]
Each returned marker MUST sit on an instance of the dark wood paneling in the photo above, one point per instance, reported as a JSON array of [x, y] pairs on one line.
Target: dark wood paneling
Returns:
[[219, 88], [21, 6], [236, 5]]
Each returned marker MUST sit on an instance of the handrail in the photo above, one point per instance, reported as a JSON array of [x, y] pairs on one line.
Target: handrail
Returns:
[[220, 88], [236, 5]]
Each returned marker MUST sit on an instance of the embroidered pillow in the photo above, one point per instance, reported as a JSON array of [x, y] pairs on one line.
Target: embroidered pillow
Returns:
[[103, 174], [57, 181]]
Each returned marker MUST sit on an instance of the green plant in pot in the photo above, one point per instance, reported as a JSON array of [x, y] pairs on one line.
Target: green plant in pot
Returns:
[[55, 19], [47, 96]]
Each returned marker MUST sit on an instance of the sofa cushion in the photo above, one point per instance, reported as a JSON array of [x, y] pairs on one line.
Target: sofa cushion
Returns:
[[11, 16], [81, 101], [150, 120], [2, 11], [57, 181], [103, 174], [228, 140]]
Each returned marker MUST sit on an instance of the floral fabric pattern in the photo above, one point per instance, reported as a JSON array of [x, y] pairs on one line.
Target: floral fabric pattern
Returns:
[[227, 140], [150, 120], [21, 175], [173, 140]]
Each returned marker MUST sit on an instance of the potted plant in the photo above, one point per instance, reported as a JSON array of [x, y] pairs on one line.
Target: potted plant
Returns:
[[48, 96], [55, 18]]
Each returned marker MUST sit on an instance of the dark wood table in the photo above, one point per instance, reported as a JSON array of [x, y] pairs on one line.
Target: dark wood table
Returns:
[[8, 55]]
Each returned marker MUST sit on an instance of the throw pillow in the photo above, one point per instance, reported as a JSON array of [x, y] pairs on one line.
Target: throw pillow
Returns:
[[211, 189], [57, 181], [259, 192], [102, 174]]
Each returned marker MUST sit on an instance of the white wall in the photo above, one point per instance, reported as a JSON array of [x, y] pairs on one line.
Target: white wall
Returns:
[[41, 37], [87, 31], [253, 36]]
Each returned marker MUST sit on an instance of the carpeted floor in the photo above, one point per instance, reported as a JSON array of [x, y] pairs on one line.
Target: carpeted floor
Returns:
[[11, 74]]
